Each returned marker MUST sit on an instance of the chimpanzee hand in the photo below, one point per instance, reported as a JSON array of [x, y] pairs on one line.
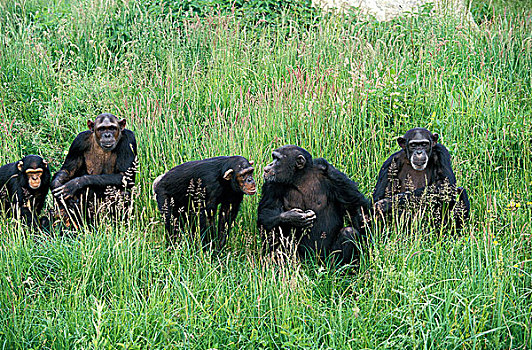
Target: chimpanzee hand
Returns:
[[298, 217], [67, 190], [382, 206]]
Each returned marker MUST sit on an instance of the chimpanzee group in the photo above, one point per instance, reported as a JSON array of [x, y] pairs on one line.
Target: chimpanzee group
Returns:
[[306, 202]]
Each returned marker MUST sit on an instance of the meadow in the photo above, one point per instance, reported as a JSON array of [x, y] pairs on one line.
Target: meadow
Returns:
[[194, 85]]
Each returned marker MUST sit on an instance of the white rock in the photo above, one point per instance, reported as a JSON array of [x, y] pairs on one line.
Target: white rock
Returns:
[[385, 10]]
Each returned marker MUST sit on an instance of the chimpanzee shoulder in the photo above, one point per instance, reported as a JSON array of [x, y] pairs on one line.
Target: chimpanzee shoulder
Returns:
[[76, 151], [442, 158], [382, 179], [6, 172], [126, 150], [345, 189]]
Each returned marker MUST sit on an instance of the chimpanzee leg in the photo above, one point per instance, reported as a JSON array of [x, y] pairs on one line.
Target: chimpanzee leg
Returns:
[[165, 207], [206, 225], [226, 217], [224, 223], [68, 212], [346, 249], [461, 209]]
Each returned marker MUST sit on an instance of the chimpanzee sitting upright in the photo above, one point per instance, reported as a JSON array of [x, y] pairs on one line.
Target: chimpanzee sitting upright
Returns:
[[24, 186], [309, 199], [100, 163], [421, 171], [199, 187]]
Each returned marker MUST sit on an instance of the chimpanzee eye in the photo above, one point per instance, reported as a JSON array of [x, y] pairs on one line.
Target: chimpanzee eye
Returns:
[[249, 179], [419, 144]]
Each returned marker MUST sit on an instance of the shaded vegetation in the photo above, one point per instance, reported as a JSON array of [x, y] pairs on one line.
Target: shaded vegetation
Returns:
[[195, 82]]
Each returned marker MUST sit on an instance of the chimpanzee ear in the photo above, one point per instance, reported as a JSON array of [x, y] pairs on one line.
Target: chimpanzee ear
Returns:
[[90, 125], [122, 123], [228, 174], [20, 165], [402, 142], [45, 163], [434, 139], [300, 161], [251, 162]]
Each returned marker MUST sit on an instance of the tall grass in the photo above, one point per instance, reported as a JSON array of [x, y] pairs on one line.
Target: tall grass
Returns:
[[199, 87]]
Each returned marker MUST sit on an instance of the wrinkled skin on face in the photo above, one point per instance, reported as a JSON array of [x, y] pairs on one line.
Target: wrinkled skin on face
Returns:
[[286, 161], [34, 178], [33, 171], [418, 144], [243, 178], [246, 182], [107, 130]]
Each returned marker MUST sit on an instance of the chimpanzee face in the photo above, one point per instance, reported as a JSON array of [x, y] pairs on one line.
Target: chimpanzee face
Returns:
[[286, 161], [418, 144], [107, 130], [32, 168], [242, 177]]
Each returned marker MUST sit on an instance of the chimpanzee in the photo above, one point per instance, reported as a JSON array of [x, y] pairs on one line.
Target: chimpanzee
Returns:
[[421, 173], [100, 165], [24, 186], [309, 199], [199, 187]]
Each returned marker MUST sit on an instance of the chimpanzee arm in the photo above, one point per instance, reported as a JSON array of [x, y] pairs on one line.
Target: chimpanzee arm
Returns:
[[15, 187], [442, 164], [383, 179], [73, 161], [270, 207], [272, 215], [125, 166]]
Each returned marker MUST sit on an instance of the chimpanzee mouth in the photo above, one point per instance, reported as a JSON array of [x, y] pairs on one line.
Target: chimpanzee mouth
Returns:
[[34, 186], [108, 146], [251, 192], [419, 165]]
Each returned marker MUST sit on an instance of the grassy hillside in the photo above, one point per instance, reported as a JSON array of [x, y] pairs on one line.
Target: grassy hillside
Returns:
[[195, 84]]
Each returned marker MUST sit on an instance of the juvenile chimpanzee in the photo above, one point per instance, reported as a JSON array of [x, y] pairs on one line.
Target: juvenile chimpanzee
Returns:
[[199, 187], [421, 173], [309, 199], [100, 165], [24, 186]]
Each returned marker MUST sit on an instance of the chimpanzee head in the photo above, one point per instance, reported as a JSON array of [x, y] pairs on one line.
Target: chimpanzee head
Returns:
[[240, 174], [418, 144], [107, 130], [34, 171], [287, 162]]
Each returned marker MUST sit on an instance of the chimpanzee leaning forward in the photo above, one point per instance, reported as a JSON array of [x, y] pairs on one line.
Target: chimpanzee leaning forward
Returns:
[[100, 164]]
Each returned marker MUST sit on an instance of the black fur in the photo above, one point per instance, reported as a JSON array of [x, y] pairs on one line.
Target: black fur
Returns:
[[17, 196], [126, 152], [318, 187], [441, 179], [80, 184], [198, 187]]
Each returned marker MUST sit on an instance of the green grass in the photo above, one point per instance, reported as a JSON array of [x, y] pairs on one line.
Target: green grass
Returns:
[[220, 85]]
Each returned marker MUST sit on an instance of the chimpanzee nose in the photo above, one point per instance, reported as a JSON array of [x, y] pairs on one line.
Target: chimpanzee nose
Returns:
[[419, 152]]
